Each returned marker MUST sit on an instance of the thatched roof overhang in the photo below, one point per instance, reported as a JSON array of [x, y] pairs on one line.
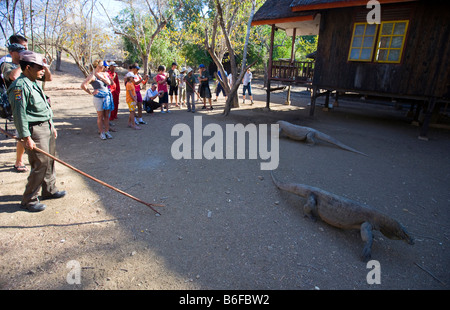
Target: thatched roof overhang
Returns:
[[279, 13], [292, 19], [308, 5]]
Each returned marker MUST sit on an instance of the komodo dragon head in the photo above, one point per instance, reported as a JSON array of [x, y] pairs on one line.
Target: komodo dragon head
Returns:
[[394, 230]]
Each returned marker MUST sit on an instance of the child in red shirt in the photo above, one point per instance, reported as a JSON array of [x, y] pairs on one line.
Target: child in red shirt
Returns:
[[161, 79]]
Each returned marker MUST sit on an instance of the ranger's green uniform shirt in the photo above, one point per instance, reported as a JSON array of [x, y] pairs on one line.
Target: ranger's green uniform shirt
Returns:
[[29, 105]]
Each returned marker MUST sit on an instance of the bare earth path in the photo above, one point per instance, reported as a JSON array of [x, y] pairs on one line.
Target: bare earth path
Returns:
[[225, 225]]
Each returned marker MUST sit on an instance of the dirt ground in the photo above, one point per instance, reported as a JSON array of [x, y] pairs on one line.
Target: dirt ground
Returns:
[[224, 225]]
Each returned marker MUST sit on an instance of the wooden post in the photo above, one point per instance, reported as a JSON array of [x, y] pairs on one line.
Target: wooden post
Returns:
[[336, 99], [288, 96], [327, 101], [269, 74], [291, 64], [291, 68], [426, 121], [313, 101]]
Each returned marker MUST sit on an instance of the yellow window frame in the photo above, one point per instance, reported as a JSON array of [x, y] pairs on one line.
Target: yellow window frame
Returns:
[[357, 38], [388, 36]]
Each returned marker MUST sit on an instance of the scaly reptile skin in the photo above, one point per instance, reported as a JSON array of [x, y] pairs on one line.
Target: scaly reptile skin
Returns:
[[346, 214]]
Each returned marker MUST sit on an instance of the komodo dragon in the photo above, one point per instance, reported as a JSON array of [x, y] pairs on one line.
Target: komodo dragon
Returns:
[[346, 214], [301, 133]]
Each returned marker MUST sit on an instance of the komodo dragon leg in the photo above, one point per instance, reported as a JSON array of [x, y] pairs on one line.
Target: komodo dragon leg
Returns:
[[310, 209], [310, 138], [367, 237]]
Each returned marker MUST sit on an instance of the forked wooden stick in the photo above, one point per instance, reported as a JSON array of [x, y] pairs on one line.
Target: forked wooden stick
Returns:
[[150, 205]]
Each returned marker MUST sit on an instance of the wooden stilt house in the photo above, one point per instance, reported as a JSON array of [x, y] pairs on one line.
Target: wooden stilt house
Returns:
[[405, 54]]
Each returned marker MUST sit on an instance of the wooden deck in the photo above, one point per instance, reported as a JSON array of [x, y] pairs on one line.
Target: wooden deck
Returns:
[[297, 72]]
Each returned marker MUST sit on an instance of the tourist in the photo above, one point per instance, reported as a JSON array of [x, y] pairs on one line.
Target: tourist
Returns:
[[150, 103], [182, 87], [10, 70], [190, 90], [205, 91], [161, 80], [115, 90], [138, 79], [247, 81], [131, 99], [102, 97], [219, 87], [173, 83]]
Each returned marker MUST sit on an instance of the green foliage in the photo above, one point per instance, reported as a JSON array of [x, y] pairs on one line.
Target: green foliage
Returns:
[[133, 54], [195, 54], [163, 52], [305, 45], [183, 37]]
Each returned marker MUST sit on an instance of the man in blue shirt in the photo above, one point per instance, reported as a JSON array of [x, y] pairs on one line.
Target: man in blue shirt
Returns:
[[149, 100]]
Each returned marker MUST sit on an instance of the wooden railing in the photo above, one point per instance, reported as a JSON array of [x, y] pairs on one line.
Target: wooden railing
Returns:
[[294, 72]]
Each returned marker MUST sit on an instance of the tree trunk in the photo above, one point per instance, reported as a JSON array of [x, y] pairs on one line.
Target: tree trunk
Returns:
[[58, 61], [233, 97], [145, 66]]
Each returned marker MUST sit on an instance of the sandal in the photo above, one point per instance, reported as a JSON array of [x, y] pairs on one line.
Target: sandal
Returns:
[[20, 168]]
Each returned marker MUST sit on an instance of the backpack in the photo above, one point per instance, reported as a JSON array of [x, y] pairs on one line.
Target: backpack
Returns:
[[173, 78], [5, 107]]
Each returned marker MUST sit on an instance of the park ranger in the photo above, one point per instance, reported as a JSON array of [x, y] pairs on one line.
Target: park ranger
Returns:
[[33, 120]]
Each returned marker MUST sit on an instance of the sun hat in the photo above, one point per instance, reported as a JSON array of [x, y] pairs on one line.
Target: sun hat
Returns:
[[189, 70], [32, 57], [201, 66], [183, 69]]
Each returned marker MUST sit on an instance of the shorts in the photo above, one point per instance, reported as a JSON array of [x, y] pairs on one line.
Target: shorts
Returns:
[[249, 88], [131, 106], [164, 98], [138, 96], [98, 103], [205, 92], [220, 89], [173, 90]]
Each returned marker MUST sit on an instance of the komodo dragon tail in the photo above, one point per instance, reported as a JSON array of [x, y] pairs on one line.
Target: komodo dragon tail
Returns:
[[303, 190], [324, 137]]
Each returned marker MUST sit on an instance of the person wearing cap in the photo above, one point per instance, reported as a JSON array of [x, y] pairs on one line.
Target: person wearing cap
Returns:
[[190, 90], [173, 83], [138, 79], [204, 91], [33, 118], [182, 86], [115, 89], [10, 70]]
